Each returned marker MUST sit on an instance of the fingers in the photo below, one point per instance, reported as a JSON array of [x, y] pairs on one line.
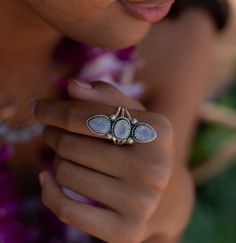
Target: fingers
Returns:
[[94, 185], [107, 191], [124, 163], [103, 93], [72, 115], [102, 223], [108, 174], [98, 222], [95, 154]]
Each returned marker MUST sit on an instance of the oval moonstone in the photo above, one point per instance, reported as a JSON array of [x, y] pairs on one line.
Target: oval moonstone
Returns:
[[99, 124], [122, 128], [144, 133]]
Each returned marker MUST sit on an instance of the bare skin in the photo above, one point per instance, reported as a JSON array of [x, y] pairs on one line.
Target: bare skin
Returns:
[[168, 207]]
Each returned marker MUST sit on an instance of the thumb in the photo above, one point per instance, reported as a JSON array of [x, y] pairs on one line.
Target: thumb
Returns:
[[101, 92]]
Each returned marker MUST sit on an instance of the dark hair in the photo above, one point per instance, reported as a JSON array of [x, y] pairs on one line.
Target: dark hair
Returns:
[[218, 9]]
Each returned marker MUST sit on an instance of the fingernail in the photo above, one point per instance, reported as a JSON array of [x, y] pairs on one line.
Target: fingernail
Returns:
[[42, 179], [81, 84]]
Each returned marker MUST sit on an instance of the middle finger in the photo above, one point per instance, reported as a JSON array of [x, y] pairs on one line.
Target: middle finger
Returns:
[[72, 115]]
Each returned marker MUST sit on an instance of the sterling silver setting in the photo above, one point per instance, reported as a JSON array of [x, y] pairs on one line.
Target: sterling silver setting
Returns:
[[121, 128]]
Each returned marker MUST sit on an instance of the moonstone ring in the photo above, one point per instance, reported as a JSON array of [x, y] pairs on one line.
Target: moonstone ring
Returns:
[[121, 128]]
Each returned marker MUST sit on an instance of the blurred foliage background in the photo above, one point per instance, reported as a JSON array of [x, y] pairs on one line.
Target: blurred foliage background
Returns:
[[214, 217]]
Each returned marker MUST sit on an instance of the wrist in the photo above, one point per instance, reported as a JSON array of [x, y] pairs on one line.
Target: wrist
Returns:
[[175, 208]]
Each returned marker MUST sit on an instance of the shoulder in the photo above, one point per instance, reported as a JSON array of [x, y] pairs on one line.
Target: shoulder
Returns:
[[182, 50]]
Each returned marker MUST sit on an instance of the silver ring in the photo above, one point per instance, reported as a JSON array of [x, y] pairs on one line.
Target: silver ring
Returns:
[[121, 128]]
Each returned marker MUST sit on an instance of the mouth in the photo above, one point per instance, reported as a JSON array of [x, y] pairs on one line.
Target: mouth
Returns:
[[150, 12]]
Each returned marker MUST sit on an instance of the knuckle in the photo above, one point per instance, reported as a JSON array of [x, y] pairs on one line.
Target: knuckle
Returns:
[[71, 116], [144, 205], [60, 171], [61, 145], [155, 172], [162, 120], [164, 127], [67, 118], [64, 143]]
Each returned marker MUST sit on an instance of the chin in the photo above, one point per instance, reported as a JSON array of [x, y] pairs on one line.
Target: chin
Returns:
[[110, 43], [111, 28], [110, 40]]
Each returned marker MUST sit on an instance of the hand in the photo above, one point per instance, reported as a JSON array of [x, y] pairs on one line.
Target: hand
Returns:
[[128, 180]]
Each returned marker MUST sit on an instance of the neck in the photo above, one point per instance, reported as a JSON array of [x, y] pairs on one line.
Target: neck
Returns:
[[26, 47]]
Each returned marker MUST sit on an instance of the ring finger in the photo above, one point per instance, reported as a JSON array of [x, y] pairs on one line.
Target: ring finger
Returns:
[[92, 153]]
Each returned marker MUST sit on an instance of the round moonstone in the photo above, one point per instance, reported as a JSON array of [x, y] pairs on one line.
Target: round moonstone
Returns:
[[99, 124], [122, 128], [143, 133]]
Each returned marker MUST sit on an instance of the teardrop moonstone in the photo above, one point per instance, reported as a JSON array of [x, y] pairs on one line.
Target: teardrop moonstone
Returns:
[[99, 124], [144, 133]]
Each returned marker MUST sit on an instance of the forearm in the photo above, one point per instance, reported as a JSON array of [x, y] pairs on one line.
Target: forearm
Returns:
[[177, 83], [176, 86], [175, 208]]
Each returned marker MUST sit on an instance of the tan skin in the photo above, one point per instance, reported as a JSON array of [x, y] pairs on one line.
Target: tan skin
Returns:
[[151, 179]]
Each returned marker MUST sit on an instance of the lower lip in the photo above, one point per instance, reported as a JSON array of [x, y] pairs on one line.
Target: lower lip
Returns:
[[146, 13]]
